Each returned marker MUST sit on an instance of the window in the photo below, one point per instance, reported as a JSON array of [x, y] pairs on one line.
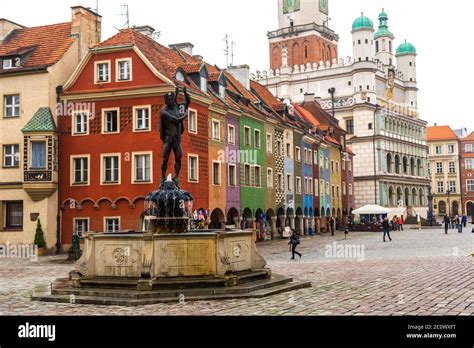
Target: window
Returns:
[[310, 156], [315, 158], [80, 171], [333, 191], [298, 185], [222, 91], [81, 226], [298, 153], [289, 182], [370, 125], [269, 177], [469, 165], [203, 84], [470, 185], [232, 175], [247, 136], [124, 69], [258, 177], [438, 149], [110, 121], [12, 106], [102, 72], [279, 148], [321, 187], [452, 168], [288, 150], [439, 167], [216, 173], [321, 161], [141, 116], [337, 166], [81, 121], [450, 149], [7, 63], [280, 183], [326, 165], [350, 189], [231, 135], [269, 143], [247, 175], [310, 186], [305, 155], [14, 215], [468, 148], [316, 188], [344, 189], [193, 165], [216, 133], [142, 168], [11, 156], [38, 155], [452, 186], [112, 225], [257, 138], [376, 47], [337, 191], [192, 121], [332, 166], [111, 169], [350, 126], [327, 189], [440, 187]]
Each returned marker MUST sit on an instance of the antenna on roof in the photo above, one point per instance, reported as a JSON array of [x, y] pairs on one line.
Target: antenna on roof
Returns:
[[232, 45], [226, 50], [126, 15], [97, 6]]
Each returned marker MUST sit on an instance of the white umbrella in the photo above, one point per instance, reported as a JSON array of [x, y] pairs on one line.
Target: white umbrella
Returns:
[[371, 210]]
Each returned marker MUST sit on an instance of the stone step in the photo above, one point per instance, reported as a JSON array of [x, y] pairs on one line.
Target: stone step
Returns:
[[99, 300], [245, 287], [175, 282]]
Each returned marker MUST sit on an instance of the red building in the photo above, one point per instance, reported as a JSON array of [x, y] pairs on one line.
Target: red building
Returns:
[[110, 148], [467, 175]]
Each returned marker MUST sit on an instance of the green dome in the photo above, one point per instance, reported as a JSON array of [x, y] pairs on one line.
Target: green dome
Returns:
[[362, 22], [383, 15], [406, 48], [383, 26]]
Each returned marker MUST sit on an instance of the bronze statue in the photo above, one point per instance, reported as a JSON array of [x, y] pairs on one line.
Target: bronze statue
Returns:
[[171, 128]]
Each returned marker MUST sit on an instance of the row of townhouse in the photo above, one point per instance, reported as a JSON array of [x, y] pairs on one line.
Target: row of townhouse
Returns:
[[84, 152], [451, 169]]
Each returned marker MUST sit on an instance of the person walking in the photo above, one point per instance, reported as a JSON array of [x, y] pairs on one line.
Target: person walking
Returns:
[[459, 224], [464, 221], [294, 242], [395, 225], [446, 224], [400, 223], [386, 229]]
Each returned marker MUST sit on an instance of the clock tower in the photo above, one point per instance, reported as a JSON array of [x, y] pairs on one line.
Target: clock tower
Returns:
[[303, 36]]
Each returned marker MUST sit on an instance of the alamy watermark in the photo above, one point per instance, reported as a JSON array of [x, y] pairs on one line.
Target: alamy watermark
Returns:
[[19, 251], [345, 251], [69, 108]]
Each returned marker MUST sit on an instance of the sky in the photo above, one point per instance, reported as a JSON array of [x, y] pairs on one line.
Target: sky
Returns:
[[441, 31]]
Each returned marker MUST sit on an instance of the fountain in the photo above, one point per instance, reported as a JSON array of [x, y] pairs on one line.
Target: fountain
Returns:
[[167, 262]]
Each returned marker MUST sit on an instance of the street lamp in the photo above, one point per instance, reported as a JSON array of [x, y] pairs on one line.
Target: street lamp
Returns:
[[449, 202], [430, 206]]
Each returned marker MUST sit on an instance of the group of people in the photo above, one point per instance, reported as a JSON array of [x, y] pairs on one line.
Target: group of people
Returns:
[[454, 222]]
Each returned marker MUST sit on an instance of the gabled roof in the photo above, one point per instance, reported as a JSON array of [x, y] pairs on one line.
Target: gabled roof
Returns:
[[469, 137], [325, 119], [307, 115], [266, 96], [47, 43], [42, 121], [440, 133]]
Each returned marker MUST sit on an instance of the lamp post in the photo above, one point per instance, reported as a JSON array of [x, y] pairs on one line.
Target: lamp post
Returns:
[[449, 202], [430, 206]]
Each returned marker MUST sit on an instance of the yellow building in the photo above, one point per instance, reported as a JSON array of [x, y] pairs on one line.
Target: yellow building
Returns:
[[33, 63], [444, 170]]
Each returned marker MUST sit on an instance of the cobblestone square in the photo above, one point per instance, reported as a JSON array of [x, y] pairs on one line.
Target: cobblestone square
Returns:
[[419, 273]]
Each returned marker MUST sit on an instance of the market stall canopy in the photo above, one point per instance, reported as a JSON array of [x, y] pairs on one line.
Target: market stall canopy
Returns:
[[371, 210]]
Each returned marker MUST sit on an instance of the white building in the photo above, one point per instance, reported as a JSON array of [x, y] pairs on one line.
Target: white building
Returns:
[[379, 112]]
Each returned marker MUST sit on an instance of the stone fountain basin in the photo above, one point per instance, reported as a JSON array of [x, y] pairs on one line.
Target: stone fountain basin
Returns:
[[148, 255]]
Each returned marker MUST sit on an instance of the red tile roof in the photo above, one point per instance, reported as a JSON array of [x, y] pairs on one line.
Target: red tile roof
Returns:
[[469, 137], [266, 96], [440, 133], [307, 115], [47, 43], [331, 140], [349, 150]]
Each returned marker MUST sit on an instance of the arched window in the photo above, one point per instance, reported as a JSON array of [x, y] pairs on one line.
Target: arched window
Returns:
[[389, 163], [377, 46], [397, 164], [412, 167], [405, 165], [419, 169]]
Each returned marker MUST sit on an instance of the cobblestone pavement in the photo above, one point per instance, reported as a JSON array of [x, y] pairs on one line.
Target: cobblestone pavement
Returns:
[[419, 273]]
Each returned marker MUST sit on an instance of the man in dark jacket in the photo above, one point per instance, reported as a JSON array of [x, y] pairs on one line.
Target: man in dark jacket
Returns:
[[386, 229], [294, 242], [446, 224]]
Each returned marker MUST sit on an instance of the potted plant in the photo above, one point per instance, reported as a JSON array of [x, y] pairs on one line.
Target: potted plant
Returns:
[[39, 239]]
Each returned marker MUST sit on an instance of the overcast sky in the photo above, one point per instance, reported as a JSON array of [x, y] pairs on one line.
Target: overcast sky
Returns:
[[441, 31]]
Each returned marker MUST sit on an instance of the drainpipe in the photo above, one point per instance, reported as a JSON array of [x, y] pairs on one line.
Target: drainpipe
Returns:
[[59, 91], [375, 163]]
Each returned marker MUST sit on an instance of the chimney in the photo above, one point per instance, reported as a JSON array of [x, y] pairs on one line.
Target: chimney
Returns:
[[6, 27], [145, 30], [309, 97], [86, 26], [241, 73], [186, 47]]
